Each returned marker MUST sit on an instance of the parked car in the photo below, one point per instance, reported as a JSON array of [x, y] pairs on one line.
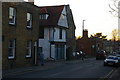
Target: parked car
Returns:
[[111, 61], [75, 54], [101, 55], [118, 55]]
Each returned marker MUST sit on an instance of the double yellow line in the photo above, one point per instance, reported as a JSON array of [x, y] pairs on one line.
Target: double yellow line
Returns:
[[109, 75]]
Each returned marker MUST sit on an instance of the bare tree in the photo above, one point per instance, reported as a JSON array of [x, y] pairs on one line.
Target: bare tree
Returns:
[[114, 7]]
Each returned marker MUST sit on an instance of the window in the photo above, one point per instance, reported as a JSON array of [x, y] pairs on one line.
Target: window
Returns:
[[41, 32], [29, 20], [62, 16], [11, 50], [44, 16], [60, 33], [12, 15], [29, 48]]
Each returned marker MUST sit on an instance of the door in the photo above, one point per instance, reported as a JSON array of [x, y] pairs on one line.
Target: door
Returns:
[[40, 49]]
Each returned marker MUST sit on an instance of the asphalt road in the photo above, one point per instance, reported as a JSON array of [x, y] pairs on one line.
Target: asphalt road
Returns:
[[83, 69]]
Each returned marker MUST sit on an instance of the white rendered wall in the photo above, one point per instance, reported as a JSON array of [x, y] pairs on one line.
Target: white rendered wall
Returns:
[[56, 35], [44, 43], [51, 34], [63, 19]]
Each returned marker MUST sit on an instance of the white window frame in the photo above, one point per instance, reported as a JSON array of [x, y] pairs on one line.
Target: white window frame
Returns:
[[12, 15], [29, 48], [12, 47], [44, 16], [29, 18]]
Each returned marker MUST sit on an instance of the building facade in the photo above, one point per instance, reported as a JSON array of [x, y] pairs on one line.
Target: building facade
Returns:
[[53, 25], [20, 31], [84, 44], [70, 37]]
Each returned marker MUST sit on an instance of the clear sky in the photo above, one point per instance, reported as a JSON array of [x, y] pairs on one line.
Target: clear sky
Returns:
[[95, 12]]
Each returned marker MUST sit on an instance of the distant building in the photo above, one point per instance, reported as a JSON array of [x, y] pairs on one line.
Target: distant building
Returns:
[[84, 44], [53, 25], [20, 31]]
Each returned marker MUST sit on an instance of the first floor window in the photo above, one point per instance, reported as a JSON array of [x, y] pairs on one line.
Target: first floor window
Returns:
[[11, 50], [12, 15], [60, 33], [29, 49], [29, 20]]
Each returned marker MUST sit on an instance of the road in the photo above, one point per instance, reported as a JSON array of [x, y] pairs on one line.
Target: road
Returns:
[[83, 69]]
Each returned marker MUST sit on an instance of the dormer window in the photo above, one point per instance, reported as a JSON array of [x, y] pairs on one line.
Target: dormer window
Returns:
[[63, 16], [44, 16]]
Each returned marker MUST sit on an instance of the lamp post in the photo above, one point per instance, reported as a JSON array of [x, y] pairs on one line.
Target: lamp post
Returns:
[[83, 25]]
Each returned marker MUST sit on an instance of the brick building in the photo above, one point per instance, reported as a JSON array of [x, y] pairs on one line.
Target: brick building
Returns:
[[84, 44], [20, 25]]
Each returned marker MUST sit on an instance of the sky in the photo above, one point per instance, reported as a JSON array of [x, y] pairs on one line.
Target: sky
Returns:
[[95, 12]]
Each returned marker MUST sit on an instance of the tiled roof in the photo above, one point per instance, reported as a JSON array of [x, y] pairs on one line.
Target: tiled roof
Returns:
[[43, 10], [54, 13]]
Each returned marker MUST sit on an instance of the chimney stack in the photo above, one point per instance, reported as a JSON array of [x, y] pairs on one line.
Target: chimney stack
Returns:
[[31, 1], [85, 33]]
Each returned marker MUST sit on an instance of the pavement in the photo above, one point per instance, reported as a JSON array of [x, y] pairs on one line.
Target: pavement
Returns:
[[115, 75]]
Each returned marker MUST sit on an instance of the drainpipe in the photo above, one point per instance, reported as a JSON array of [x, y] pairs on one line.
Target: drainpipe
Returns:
[[35, 48], [50, 42]]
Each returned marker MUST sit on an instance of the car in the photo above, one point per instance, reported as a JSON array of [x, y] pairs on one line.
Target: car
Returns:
[[118, 55], [75, 54], [111, 61], [101, 55]]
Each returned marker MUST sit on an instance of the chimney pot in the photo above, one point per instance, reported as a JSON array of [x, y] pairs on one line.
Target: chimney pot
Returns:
[[31, 1]]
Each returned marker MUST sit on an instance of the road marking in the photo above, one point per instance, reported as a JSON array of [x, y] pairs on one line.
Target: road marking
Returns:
[[108, 75], [111, 74], [51, 75], [56, 73]]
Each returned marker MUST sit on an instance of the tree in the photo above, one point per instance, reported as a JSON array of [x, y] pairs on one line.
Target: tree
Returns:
[[99, 35], [78, 37], [114, 35], [114, 8]]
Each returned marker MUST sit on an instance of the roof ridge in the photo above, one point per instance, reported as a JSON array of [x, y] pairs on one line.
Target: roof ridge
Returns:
[[51, 6]]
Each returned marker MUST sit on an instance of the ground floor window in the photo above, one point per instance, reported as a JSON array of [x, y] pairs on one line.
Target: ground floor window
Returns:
[[29, 48], [11, 49], [60, 51]]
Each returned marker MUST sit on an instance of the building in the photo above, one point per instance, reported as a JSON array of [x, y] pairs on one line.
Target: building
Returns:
[[84, 44], [70, 37], [20, 31], [53, 25]]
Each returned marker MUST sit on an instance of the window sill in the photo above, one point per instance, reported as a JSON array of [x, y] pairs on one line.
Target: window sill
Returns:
[[12, 23], [11, 57], [29, 27], [28, 56]]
